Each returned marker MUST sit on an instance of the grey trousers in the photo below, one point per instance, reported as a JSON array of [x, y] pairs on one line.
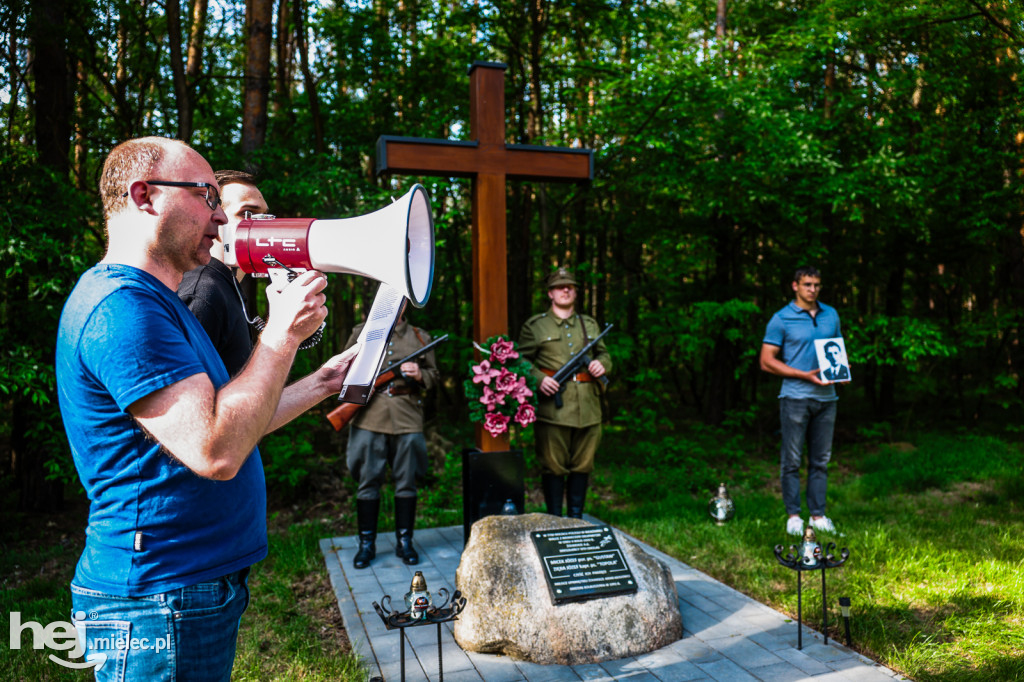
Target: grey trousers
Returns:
[[370, 453]]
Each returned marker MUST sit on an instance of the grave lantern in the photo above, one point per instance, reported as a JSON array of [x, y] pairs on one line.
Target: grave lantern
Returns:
[[810, 550], [417, 599], [421, 611], [721, 507]]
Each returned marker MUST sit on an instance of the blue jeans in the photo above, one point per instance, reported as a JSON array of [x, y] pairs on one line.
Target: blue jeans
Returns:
[[185, 634], [811, 421]]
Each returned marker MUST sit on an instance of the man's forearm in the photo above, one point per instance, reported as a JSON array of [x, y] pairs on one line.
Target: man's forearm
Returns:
[[212, 431], [773, 365], [303, 394], [298, 397], [253, 398]]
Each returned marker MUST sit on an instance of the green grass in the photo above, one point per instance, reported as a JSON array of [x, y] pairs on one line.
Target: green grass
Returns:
[[935, 532], [935, 528], [291, 631]]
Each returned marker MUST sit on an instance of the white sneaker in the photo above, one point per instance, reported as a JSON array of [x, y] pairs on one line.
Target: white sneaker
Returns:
[[823, 523], [795, 525]]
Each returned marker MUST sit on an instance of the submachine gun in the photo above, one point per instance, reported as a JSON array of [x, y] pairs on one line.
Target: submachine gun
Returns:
[[343, 414], [575, 365]]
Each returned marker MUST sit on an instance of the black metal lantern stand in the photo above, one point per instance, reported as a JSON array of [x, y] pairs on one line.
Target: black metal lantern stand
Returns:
[[449, 609], [796, 562]]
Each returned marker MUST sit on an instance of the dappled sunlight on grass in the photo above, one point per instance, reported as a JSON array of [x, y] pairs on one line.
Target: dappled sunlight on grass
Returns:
[[935, 567]]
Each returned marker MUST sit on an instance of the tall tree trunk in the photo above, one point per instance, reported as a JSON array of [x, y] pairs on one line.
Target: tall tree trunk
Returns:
[[259, 18], [308, 79], [181, 90], [288, 37], [257, 76], [53, 85], [721, 365], [81, 148], [520, 282], [53, 106], [14, 82], [720, 19], [893, 309], [194, 63], [195, 41]]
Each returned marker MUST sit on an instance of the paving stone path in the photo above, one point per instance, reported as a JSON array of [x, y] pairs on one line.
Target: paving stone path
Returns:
[[727, 635]]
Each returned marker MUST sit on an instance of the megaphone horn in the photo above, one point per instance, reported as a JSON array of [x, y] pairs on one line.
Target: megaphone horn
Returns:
[[394, 245]]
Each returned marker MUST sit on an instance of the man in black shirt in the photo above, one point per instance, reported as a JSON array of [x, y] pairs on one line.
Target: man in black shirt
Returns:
[[211, 291]]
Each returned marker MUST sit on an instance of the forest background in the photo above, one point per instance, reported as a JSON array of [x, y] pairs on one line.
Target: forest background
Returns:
[[734, 141]]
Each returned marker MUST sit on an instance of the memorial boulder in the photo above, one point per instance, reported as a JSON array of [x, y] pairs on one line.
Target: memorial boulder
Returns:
[[511, 608]]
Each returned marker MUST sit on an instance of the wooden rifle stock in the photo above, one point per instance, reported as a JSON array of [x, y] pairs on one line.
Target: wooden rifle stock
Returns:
[[341, 415]]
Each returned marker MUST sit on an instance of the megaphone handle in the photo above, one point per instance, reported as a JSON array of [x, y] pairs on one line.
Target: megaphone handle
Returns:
[[281, 277]]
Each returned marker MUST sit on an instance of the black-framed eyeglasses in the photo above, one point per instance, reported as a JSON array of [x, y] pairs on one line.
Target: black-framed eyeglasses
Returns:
[[212, 195]]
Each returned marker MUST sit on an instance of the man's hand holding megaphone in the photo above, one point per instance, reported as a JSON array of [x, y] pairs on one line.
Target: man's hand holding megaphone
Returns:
[[296, 311]]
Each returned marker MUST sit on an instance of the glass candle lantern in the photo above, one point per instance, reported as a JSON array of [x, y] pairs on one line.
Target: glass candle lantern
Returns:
[[721, 507], [417, 599]]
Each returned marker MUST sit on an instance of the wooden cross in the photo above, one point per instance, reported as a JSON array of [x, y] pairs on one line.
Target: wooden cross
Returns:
[[489, 162]]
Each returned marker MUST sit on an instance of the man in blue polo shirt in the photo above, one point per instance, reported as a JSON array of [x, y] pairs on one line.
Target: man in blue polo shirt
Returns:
[[164, 440], [807, 404]]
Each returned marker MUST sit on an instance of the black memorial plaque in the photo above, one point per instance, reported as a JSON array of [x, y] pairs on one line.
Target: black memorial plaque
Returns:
[[583, 563]]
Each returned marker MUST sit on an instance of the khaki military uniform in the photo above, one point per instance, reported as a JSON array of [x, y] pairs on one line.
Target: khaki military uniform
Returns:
[[389, 429], [567, 437]]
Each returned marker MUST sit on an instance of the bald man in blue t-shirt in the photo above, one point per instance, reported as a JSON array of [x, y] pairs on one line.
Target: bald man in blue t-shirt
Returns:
[[164, 440]]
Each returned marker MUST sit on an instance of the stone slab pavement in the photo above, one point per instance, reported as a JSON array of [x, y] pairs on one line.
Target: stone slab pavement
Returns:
[[727, 636]]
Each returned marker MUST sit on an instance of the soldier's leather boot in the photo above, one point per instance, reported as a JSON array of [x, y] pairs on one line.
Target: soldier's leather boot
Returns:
[[552, 486], [366, 520], [576, 494], [405, 521]]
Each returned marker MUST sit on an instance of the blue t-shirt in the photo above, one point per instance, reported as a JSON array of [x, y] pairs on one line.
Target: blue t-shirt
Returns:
[[154, 525], [794, 330]]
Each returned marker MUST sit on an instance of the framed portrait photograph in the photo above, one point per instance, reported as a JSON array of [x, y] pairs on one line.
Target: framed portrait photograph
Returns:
[[835, 367]]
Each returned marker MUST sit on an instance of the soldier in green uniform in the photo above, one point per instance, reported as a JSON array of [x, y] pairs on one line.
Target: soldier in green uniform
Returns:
[[566, 437], [389, 431]]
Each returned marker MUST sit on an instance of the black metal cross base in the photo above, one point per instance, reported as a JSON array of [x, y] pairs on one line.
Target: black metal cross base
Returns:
[[795, 562], [449, 609]]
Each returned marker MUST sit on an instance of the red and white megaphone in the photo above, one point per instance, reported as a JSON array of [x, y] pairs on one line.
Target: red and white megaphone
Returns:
[[394, 245]]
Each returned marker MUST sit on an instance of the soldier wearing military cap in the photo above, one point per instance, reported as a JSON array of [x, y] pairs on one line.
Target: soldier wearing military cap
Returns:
[[389, 431], [566, 437]]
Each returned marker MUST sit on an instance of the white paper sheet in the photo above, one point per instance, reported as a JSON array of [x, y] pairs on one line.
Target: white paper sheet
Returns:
[[373, 339]]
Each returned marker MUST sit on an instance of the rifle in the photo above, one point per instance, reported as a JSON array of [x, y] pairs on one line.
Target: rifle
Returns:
[[343, 414], [576, 363]]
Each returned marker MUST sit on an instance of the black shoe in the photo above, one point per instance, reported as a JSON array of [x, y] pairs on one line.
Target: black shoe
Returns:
[[576, 494], [405, 521], [366, 519], [552, 486]]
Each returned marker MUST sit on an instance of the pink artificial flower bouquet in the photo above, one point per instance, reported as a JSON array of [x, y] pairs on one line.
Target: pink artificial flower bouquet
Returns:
[[500, 389]]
